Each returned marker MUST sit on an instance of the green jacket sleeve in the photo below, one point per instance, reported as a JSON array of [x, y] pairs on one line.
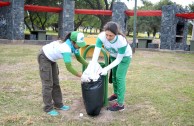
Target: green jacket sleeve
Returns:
[[81, 60], [71, 69], [99, 43], [67, 59]]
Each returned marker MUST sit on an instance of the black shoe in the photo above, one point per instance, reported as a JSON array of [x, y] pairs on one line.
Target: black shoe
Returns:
[[112, 97], [116, 107]]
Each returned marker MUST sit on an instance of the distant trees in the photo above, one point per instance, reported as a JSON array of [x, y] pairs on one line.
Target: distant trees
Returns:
[[149, 24], [97, 21], [41, 20]]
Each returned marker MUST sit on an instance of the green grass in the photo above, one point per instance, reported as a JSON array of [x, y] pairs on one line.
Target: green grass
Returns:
[[159, 91]]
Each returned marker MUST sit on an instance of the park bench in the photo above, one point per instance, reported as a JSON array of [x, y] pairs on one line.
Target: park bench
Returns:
[[191, 45], [39, 34], [153, 45], [143, 42]]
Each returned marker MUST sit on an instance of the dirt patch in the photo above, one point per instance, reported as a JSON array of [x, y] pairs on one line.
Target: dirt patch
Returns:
[[106, 116], [78, 108]]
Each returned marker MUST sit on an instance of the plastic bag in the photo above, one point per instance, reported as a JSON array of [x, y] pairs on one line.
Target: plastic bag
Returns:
[[93, 95], [92, 71]]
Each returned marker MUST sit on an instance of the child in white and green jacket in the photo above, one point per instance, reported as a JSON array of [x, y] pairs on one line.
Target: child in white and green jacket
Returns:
[[48, 68]]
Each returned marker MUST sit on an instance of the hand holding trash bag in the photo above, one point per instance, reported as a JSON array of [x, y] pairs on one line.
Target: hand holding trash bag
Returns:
[[92, 72], [104, 71], [85, 78]]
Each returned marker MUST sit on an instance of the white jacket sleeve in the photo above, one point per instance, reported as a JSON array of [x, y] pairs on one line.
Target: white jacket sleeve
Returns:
[[115, 62], [96, 54]]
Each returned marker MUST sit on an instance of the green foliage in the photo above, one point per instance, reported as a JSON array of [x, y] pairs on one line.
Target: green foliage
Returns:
[[96, 21], [147, 4], [159, 5], [191, 6], [40, 20], [149, 24]]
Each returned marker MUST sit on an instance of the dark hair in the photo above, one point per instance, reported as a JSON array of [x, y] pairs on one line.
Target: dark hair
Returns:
[[114, 28], [67, 36], [63, 39]]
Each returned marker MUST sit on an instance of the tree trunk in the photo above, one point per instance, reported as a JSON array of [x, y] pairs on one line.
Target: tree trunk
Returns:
[[154, 33], [104, 20], [128, 32], [27, 24], [148, 33]]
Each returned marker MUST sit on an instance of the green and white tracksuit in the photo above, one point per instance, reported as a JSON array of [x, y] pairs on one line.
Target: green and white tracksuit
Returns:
[[49, 73], [120, 56]]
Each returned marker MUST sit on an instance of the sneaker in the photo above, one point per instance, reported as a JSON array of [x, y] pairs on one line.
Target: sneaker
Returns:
[[64, 107], [116, 107], [53, 113], [112, 97]]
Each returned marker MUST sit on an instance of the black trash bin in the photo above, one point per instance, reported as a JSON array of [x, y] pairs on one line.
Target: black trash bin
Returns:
[[93, 96]]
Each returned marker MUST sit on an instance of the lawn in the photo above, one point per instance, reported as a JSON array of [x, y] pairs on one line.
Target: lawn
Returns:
[[159, 91]]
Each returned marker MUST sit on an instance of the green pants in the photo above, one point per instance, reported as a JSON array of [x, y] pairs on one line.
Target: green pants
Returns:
[[51, 91], [119, 78]]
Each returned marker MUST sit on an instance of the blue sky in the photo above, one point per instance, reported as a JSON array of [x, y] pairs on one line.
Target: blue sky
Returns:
[[131, 3]]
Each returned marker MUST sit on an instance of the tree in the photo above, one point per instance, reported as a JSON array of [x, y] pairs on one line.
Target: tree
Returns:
[[150, 24], [95, 5], [40, 20]]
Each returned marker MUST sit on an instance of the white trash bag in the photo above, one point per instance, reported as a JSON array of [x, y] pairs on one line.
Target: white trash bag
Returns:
[[92, 72]]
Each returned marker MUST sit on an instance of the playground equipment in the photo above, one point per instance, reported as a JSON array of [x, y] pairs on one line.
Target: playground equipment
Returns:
[[103, 64], [89, 41]]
